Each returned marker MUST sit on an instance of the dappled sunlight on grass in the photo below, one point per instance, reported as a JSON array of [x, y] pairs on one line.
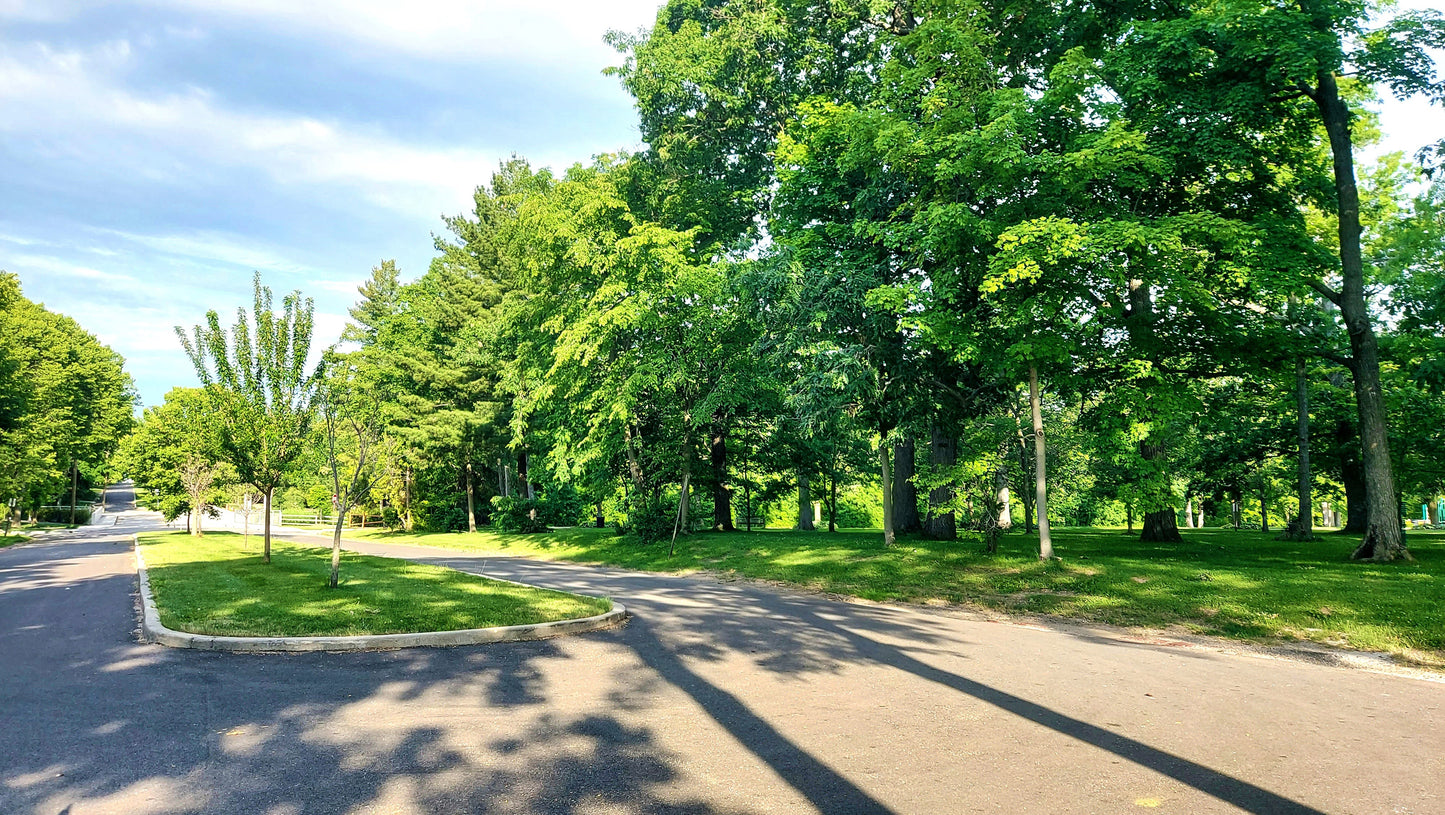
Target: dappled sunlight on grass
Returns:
[[1222, 582], [211, 586]]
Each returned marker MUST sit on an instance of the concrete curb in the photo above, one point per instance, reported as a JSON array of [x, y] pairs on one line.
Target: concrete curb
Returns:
[[153, 631]]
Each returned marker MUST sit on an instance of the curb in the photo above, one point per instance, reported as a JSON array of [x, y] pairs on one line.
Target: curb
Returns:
[[153, 631]]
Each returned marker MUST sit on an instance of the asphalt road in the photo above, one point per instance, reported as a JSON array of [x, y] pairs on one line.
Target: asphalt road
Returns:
[[716, 698]]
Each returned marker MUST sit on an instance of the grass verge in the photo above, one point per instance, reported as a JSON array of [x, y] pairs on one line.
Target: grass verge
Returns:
[[11, 540], [1243, 585], [215, 585]]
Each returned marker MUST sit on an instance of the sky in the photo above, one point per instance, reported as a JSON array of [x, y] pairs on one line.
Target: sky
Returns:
[[154, 153]]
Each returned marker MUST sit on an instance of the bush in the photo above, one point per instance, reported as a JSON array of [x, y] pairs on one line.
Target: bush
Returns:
[[61, 515], [390, 518], [447, 519], [858, 509], [650, 518], [517, 515]]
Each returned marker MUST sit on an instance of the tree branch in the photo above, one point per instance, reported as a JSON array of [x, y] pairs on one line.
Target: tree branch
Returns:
[[1325, 291]]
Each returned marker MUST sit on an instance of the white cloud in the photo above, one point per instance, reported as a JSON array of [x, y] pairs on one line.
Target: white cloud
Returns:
[[215, 247], [26, 264], [67, 94], [527, 31]]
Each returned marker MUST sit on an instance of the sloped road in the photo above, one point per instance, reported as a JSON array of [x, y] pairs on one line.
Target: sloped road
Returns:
[[716, 698]]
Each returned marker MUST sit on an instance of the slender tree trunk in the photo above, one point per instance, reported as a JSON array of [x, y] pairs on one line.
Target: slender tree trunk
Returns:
[[805, 502], [74, 482], [266, 546], [601, 519], [722, 495], [1263, 506], [833, 502], [1189, 512], [336, 548], [682, 502], [471, 507], [406, 498], [1432, 509], [524, 475], [1004, 498], [1383, 537], [942, 524], [1303, 528], [905, 493], [1041, 494], [1027, 496], [1129, 518], [887, 471]]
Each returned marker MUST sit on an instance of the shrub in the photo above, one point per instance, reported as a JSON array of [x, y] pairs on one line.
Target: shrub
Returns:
[[390, 518], [517, 515], [61, 515], [651, 518]]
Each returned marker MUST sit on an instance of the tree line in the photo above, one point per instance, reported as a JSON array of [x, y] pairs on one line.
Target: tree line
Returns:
[[991, 263], [65, 404]]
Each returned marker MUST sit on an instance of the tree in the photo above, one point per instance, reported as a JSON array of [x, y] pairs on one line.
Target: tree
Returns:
[[1302, 62], [353, 417], [259, 390], [65, 401], [173, 456]]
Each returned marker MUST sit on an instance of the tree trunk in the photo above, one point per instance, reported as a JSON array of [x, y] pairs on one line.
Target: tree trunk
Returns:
[[1383, 537], [905, 494], [682, 506], [74, 482], [524, 475], [1041, 494], [1160, 525], [1189, 512], [1432, 509], [336, 548], [833, 503], [1303, 528], [1026, 496], [471, 507], [1004, 498], [1129, 518], [1352, 476], [805, 503], [601, 519], [266, 546], [406, 499], [722, 495], [1263, 506], [887, 470], [942, 452]]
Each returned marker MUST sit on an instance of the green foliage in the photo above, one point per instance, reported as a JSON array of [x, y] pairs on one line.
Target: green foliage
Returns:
[[517, 515], [65, 401], [256, 380]]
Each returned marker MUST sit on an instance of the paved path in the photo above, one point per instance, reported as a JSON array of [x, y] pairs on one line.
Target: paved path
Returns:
[[717, 698]]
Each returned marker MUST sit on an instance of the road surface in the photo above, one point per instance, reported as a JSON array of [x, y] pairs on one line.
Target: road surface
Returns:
[[716, 698]]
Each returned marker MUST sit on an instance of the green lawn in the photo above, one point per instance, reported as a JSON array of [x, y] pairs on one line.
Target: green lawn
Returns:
[[1244, 585], [217, 585], [11, 540]]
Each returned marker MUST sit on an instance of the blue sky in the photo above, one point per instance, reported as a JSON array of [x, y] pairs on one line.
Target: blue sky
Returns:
[[155, 153]]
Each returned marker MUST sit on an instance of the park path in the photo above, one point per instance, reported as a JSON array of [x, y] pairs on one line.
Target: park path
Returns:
[[716, 698]]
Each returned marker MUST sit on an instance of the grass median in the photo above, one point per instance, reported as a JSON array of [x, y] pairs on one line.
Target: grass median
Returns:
[[218, 585], [1242, 585]]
